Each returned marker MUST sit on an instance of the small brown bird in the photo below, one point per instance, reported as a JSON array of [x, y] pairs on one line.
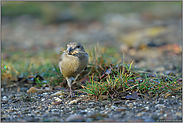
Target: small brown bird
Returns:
[[72, 62]]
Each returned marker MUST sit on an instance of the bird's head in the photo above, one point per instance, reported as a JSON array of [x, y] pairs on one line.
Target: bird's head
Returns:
[[74, 47]]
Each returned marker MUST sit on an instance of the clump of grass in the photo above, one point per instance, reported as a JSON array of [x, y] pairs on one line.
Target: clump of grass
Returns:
[[112, 83], [109, 79], [94, 87]]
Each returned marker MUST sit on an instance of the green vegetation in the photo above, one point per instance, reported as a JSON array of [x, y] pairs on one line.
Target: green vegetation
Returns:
[[105, 75], [119, 77]]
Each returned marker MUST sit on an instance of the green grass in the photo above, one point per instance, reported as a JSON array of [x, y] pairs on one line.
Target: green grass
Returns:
[[119, 77], [124, 79], [26, 64]]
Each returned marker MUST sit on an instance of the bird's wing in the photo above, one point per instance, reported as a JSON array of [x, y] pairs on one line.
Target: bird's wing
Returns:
[[60, 59]]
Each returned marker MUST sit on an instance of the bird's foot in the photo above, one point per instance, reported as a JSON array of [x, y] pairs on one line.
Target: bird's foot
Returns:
[[71, 94]]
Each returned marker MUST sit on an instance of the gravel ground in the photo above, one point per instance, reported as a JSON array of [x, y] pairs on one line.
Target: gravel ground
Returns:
[[48, 106]]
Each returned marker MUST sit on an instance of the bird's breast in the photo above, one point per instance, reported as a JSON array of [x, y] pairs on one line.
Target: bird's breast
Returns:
[[72, 65]]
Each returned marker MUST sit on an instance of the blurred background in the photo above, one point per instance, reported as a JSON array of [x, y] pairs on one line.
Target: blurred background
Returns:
[[143, 30]]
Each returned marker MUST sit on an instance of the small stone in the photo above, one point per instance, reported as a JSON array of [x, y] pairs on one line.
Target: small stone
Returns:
[[147, 108], [161, 118], [159, 105], [45, 93], [37, 111], [32, 90], [73, 101], [130, 105], [178, 114], [59, 93], [11, 96], [57, 99], [48, 89], [167, 94], [39, 106], [119, 102], [4, 97], [113, 107], [139, 114], [173, 97], [56, 103], [121, 109], [75, 118]]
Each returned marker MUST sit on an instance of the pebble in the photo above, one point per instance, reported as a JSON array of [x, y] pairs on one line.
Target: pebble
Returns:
[[32, 90], [48, 89], [113, 107], [45, 93], [57, 99], [167, 94], [39, 106], [56, 103], [37, 111], [159, 105], [139, 114], [75, 118], [130, 105], [4, 98], [178, 114], [147, 108], [59, 93], [161, 118], [165, 115], [121, 109], [73, 102]]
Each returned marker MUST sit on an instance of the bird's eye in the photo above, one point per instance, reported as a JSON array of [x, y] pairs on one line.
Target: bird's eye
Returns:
[[78, 46]]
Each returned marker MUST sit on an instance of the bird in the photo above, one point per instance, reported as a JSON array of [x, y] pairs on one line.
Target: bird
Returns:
[[72, 61]]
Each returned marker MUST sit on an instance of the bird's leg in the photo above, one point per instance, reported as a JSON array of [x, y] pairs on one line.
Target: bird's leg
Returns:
[[71, 94], [76, 78], [69, 84]]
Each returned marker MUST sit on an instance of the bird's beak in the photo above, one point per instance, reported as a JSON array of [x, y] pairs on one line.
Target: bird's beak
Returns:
[[69, 50]]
